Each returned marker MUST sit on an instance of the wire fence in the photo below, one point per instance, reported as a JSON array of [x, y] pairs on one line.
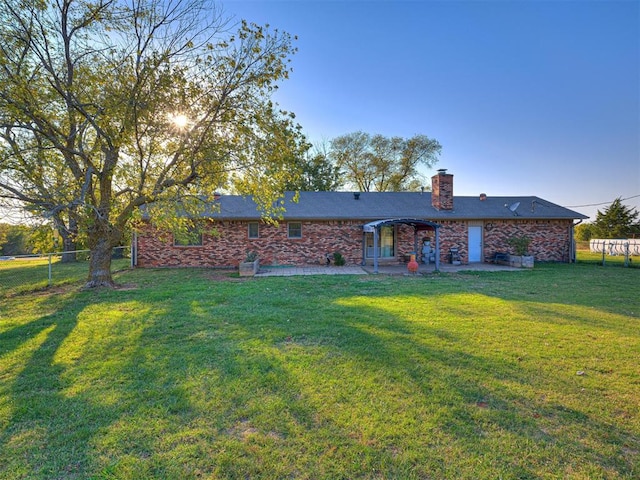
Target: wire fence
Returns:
[[29, 273], [626, 248]]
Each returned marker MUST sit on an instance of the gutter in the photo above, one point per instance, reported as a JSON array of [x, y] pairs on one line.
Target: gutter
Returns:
[[572, 242]]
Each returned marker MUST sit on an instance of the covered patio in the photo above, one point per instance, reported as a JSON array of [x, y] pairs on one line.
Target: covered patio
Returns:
[[418, 226]]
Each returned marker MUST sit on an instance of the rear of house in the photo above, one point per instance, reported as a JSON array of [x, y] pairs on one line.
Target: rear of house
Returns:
[[322, 223]]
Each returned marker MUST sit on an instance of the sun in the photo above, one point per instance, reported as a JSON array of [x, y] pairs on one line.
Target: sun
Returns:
[[179, 120]]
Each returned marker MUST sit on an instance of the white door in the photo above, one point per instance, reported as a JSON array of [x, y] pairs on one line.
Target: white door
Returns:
[[475, 243]]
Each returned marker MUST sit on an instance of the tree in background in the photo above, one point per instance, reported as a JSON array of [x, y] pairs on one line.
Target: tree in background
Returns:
[[316, 172], [617, 221], [379, 163], [107, 106], [583, 232], [15, 240]]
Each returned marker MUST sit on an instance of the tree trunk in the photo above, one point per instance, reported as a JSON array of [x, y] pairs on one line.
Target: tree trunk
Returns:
[[102, 238], [100, 265], [68, 233], [68, 245]]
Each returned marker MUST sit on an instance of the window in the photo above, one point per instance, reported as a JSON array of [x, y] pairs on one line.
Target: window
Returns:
[[295, 230], [254, 230], [192, 237]]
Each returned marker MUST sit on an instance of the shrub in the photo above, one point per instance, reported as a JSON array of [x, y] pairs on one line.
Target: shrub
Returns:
[[338, 259], [520, 244], [251, 256]]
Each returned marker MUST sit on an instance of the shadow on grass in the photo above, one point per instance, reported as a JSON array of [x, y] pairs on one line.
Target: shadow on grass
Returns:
[[493, 395], [611, 290], [272, 379], [47, 433]]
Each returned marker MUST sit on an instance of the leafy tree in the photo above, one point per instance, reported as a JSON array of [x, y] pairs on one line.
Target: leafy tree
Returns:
[[4, 230], [584, 232], [316, 172], [14, 240], [42, 240], [110, 105], [379, 163], [616, 221]]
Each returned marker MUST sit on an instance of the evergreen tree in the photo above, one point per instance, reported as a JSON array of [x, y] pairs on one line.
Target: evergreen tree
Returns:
[[617, 221]]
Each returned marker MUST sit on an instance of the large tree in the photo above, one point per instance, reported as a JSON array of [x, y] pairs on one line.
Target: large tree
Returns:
[[616, 221], [379, 163], [109, 105]]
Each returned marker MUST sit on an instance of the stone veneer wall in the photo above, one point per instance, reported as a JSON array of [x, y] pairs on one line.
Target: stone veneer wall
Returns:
[[228, 247]]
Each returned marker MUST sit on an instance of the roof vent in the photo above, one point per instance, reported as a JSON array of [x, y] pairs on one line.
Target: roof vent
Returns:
[[356, 195], [483, 197], [216, 195]]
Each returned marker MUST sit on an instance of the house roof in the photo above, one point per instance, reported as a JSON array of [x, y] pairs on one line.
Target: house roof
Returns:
[[370, 206]]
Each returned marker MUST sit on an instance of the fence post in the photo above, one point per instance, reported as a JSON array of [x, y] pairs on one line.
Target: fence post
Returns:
[[50, 269], [604, 249], [626, 254]]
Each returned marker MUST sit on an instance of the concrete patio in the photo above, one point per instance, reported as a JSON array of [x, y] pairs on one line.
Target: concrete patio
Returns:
[[397, 269]]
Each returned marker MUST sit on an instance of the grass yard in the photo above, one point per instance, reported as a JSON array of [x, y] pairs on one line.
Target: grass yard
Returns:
[[585, 256], [185, 374], [22, 275]]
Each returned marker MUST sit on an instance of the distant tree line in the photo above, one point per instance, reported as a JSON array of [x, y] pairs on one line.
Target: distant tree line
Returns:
[[25, 240], [616, 221]]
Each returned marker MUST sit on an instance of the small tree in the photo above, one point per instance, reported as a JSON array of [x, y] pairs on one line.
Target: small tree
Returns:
[[617, 221]]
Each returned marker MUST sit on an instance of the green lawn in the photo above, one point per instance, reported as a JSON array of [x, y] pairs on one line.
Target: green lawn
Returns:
[[585, 256], [185, 374]]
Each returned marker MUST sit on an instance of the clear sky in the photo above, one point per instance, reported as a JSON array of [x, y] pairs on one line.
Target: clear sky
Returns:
[[526, 97]]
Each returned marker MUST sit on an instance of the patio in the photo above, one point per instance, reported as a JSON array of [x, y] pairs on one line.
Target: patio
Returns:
[[398, 269]]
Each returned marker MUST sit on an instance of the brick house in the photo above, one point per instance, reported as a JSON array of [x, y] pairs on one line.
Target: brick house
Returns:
[[366, 227]]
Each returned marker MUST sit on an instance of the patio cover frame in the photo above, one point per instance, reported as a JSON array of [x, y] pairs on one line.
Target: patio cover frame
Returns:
[[374, 227]]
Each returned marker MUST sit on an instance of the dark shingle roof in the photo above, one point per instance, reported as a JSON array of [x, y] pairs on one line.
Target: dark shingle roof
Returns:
[[380, 205]]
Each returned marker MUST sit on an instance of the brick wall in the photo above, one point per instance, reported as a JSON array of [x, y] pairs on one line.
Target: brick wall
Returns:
[[226, 244], [453, 233], [550, 239]]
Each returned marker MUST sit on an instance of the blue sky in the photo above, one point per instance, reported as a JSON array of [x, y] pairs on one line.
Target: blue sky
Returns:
[[526, 97]]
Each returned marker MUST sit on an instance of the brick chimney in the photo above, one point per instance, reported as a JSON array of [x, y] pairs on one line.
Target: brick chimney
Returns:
[[442, 190]]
